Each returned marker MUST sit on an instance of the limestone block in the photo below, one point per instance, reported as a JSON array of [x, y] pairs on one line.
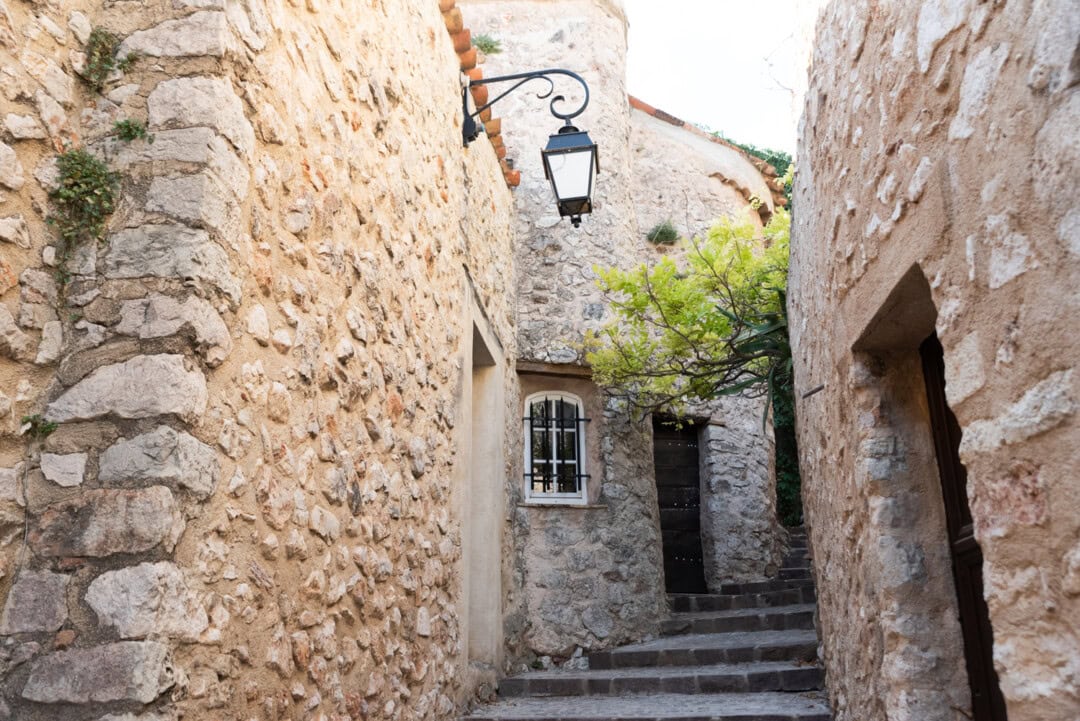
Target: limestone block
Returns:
[[142, 387], [325, 523], [23, 127], [52, 342], [160, 315], [37, 602], [14, 343], [148, 599], [209, 101], [980, 77], [165, 456], [199, 199], [11, 170], [103, 522], [59, 85], [1043, 407], [258, 325], [54, 117], [964, 367], [937, 19], [189, 145], [80, 26], [201, 33], [170, 251], [125, 671], [11, 483], [65, 470], [13, 229]]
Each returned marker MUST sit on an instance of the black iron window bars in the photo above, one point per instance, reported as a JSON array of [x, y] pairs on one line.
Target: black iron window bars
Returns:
[[556, 444]]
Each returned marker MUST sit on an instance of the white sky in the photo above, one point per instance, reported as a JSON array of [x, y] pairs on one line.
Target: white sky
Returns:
[[724, 64]]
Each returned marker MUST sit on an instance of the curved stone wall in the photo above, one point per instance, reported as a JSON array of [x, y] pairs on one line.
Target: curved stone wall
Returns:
[[938, 157]]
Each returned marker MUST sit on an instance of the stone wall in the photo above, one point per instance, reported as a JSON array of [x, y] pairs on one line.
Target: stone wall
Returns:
[[938, 155], [741, 537], [243, 511]]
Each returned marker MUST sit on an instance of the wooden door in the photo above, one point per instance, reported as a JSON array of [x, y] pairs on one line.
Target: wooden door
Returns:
[[987, 702], [678, 487]]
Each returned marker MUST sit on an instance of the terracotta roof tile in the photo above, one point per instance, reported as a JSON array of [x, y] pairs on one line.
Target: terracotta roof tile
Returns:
[[461, 37]]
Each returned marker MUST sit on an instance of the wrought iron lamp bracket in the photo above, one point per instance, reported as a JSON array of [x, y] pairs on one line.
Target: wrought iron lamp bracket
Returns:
[[471, 129]]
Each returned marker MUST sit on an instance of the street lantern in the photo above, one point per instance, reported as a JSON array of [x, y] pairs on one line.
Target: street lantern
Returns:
[[571, 159]]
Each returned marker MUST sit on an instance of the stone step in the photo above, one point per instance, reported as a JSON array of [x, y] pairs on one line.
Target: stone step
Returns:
[[721, 678], [773, 584], [795, 574], [797, 560], [695, 603], [775, 618], [809, 706], [712, 648]]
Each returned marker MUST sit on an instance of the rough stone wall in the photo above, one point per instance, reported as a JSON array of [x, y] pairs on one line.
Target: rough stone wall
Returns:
[[243, 510], [592, 576], [741, 538], [938, 157]]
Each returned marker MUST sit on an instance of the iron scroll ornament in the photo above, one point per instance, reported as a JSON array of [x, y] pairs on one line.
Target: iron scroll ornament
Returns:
[[471, 129]]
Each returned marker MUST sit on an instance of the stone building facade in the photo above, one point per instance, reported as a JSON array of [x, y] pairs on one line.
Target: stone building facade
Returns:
[[245, 510], [261, 448], [939, 153], [591, 575]]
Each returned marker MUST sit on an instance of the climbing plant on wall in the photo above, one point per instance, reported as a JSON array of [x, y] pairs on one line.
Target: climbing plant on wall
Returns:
[[712, 325]]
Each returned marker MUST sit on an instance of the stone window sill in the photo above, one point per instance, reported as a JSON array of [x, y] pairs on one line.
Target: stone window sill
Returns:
[[565, 506]]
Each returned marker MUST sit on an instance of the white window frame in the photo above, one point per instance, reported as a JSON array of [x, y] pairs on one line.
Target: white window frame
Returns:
[[582, 496]]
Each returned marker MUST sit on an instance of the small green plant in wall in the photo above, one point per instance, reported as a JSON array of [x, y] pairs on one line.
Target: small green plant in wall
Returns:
[[82, 200], [129, 130], [663, 233], [37, 427], [487, 44], [101, 58]]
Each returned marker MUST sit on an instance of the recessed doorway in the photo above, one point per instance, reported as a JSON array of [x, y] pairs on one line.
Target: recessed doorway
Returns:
[[987, 702], [678, 490]]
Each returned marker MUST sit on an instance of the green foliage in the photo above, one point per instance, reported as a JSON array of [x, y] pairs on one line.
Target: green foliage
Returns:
[[101, 58], [37, 426], [487, 44], [712, 325], [128, 130], [663, 234], [83, 201]]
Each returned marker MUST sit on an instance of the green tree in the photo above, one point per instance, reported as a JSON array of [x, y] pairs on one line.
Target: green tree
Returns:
[[710, 325]]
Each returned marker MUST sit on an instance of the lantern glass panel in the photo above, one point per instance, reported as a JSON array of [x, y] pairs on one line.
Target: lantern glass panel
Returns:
[[571, 173]]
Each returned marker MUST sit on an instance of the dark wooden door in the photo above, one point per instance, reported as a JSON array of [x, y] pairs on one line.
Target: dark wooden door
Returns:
[[678, 487], [986, 700]]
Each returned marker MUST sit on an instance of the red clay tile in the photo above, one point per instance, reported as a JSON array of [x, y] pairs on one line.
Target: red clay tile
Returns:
[[468, 59], [454, 22], [462, 40]]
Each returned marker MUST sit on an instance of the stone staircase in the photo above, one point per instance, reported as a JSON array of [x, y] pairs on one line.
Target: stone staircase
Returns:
[[748, 653]]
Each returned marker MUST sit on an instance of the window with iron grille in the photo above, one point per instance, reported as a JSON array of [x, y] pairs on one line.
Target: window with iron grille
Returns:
[[555, 448]]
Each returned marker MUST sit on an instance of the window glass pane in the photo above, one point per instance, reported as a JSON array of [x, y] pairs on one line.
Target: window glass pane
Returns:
[[541, 445], [568, 478], [568, 446], [540, 414], [569, 410]]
